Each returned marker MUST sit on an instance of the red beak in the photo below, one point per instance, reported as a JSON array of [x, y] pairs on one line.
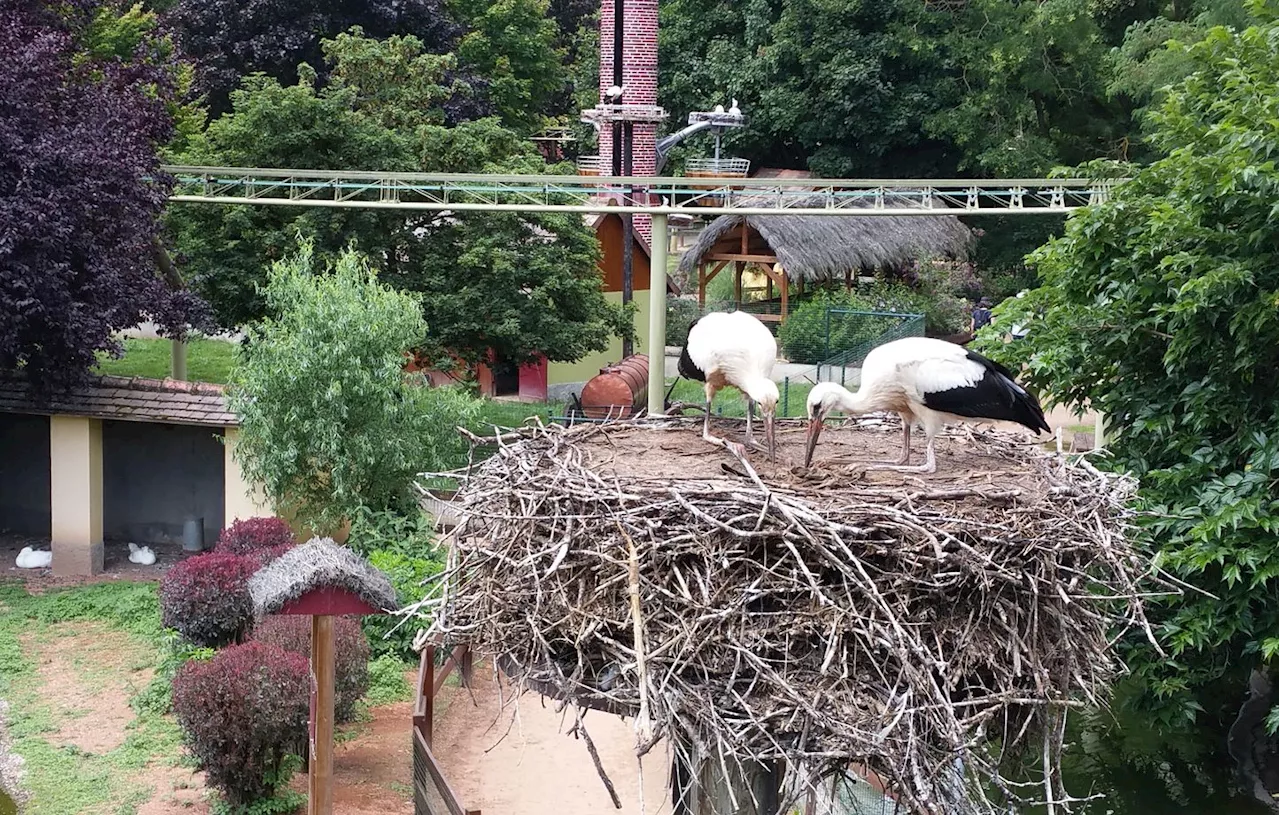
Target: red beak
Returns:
[[811, 442]]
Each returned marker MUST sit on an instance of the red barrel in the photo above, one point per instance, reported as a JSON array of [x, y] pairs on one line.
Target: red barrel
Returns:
[[619, 391]]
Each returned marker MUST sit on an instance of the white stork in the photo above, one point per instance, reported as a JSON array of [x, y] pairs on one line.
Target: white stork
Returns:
[[734, 349], [927, 381]]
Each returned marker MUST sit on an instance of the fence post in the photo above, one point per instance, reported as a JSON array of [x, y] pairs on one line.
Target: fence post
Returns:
[[786, 395], [658, 316]]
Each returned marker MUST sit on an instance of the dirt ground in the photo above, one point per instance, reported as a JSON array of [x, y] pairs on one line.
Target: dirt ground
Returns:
[[115, 556], [967, 457], [519, 760]]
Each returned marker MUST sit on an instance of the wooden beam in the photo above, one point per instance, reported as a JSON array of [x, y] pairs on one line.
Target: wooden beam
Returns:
[[738, 267], [320, 788], [702, 286], [715, 270], [742, 227], [761, 259]]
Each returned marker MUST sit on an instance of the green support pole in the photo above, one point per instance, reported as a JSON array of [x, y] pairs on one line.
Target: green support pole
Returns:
[[658, 316], [178, 360]]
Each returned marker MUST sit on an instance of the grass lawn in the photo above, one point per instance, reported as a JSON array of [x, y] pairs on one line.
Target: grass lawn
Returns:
[[86, 673], [730, 401], [207, 360]]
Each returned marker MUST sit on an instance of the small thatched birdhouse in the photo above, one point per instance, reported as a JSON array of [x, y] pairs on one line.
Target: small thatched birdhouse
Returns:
[[321, 579]]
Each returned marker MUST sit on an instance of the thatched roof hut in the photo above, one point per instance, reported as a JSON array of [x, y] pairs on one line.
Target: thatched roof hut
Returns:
[[820, 248], [317, 564]]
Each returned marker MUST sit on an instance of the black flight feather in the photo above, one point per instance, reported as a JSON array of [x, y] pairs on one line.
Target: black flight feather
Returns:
[[686, 367], [995, 396]]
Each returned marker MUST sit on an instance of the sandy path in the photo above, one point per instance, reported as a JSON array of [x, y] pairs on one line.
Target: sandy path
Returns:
[[538, 769]]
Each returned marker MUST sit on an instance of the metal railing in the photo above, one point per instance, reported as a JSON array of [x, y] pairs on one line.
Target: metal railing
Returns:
[[717, 167], [657, 195]]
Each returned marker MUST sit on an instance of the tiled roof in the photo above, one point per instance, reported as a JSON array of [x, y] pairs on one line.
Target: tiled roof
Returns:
[[132, 399]]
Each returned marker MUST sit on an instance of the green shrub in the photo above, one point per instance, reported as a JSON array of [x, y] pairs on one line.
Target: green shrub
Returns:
[[176, 651], [404, 548], [329, 421], [387, 683], [808, 337]]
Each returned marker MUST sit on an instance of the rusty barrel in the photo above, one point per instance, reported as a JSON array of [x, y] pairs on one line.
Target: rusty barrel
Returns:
[[619, 390]]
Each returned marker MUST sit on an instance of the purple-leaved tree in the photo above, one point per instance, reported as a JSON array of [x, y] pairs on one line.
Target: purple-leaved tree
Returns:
[[80, 192]]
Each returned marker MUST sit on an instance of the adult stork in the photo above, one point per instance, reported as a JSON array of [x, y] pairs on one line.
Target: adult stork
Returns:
[[734, 349], [927, 381]]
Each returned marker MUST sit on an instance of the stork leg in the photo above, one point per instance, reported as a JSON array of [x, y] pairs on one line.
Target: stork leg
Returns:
[[932, 425], [751, 438], [706, 426]]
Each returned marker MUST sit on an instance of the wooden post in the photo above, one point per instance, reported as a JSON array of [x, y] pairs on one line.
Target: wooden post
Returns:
[[738, 268], [702, 287], [320, 775]]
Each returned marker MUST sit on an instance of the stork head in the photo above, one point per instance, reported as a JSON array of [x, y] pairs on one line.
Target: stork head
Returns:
[[764, 392], [825, 398]]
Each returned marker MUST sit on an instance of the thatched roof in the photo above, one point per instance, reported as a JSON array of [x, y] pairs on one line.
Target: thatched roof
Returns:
[[314, 565], [821, 247]]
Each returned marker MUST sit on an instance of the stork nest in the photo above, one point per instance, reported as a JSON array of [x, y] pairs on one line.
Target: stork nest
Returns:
[[933, 629]]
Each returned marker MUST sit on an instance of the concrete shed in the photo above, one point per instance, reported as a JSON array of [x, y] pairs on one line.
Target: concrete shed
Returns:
[[118, 459]]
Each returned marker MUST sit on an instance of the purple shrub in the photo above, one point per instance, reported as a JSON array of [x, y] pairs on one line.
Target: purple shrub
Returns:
[[206, 598]]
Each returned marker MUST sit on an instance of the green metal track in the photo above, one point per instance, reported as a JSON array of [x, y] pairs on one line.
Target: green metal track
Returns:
[[670, 196]]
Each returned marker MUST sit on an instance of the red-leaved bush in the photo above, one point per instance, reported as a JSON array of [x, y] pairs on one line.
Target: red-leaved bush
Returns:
[[254, 536], [206, 598], [241, 714], [351, 654]]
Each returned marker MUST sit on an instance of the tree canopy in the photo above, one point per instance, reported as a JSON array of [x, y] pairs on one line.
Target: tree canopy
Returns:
[[1158, 308], [80, 189], [521, 285]]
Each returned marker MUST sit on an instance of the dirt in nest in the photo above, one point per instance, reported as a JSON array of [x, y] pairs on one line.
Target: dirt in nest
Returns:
[[973, 458]]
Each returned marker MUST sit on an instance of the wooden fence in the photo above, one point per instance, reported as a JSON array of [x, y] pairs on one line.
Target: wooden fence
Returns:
[[432, 794]]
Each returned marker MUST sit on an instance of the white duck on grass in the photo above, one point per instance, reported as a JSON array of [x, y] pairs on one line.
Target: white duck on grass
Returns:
[[927, 381]]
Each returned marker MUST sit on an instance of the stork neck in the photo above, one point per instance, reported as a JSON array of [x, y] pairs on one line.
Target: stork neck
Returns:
[[865, 400]]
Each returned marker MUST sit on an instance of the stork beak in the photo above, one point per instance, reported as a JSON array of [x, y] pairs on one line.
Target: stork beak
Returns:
[[770, 439], [811, 441]]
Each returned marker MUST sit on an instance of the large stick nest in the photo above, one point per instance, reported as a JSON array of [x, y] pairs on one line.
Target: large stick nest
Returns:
[[933, 629]]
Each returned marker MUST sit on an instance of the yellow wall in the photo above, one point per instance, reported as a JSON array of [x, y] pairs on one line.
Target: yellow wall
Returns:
[[560, 373], [75, 495], [241, 499]]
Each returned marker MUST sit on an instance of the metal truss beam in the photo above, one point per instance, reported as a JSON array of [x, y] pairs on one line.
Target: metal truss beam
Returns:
[[665, 196]]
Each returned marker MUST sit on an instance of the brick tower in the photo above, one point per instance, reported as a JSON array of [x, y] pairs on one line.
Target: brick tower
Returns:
[[639, 103]]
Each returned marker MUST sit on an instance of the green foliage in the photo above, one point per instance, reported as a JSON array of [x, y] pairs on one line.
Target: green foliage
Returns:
[[521, 285], [387, 683], [330, 422], [681, 314], [512, 44], [207, 360], [1159, 309], [404, 548], [810, 335], [175, 651]]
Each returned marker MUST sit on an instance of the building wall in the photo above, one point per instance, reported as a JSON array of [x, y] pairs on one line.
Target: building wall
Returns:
[[155, 476], [566, 377], [24, 475]]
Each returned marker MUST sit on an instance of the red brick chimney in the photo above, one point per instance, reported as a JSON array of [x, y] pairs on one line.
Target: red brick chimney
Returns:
[[640, 78]]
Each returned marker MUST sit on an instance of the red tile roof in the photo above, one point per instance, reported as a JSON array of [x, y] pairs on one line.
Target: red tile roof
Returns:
[[132, 399]]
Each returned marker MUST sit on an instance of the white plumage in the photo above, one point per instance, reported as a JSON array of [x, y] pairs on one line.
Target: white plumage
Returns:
[[30, 558], [927, 381], [141, 554], [734, 349]]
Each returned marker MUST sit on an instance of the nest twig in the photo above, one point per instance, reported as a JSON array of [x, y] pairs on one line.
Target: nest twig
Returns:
[[935, 636]]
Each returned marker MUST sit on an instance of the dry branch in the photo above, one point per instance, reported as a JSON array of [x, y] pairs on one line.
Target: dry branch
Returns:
[[933, 634]]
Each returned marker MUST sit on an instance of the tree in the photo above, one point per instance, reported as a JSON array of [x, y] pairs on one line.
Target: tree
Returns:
[[522, 285], [837, 87], [512, 44], [1159, 309], [329, 422], [230, 40], [80, 192]]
